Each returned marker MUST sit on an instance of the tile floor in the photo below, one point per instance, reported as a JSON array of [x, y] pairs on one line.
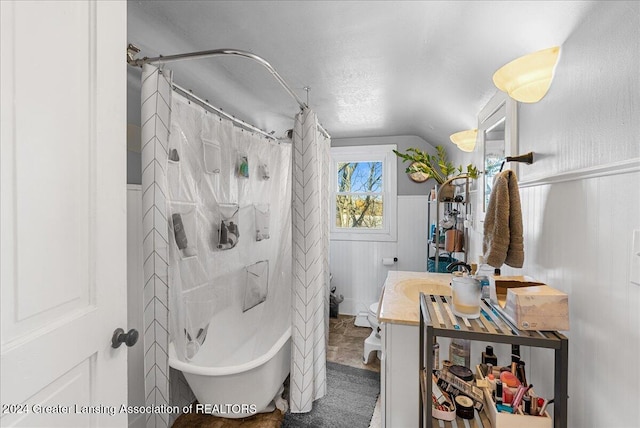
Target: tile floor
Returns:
[[346, 343], [346, 346]]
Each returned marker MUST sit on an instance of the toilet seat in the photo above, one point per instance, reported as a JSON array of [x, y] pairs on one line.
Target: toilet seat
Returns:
[[373, 315], [373, 309]]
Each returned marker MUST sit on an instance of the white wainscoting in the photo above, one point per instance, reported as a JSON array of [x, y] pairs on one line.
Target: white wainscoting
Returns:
[[356, 266], [135, 283], [578, 238]]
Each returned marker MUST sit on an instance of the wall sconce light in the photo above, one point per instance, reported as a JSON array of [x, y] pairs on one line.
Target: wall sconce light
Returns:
[[465, 140], [527, 79]]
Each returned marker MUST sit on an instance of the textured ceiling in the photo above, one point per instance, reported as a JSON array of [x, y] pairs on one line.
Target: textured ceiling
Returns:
[[375, 68]]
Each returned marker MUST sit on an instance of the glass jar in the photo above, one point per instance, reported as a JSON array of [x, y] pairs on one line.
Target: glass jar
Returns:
[[466, 295], [460, 352]]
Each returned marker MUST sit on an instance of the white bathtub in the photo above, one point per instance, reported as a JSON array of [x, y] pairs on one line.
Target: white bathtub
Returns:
[[241, 389]]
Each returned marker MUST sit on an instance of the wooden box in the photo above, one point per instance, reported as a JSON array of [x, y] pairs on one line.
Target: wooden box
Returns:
[[530, 305]]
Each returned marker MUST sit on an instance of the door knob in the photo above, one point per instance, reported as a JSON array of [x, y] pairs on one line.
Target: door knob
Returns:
[[119, 337]]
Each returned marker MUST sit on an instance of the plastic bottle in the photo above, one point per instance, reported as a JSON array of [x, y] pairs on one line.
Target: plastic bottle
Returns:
[[484, 286], [492, 382], [460, 352], [482, 275]]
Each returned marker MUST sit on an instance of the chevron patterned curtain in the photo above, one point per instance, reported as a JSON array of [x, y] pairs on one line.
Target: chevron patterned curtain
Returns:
[[156, 116], [310, 217]]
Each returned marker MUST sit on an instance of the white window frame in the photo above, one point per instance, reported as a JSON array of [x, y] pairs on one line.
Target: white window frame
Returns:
[[375, 153]]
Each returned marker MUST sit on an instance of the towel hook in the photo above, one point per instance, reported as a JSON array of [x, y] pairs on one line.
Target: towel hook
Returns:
[[526, 158]]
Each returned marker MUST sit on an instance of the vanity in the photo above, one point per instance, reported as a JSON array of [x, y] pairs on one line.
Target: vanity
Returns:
[[399, 316]]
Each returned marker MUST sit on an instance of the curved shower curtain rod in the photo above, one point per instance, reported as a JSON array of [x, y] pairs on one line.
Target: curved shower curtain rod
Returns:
[[132, 50]]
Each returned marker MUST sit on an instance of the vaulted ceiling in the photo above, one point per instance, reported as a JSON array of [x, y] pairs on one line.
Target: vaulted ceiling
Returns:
[[374, 68]]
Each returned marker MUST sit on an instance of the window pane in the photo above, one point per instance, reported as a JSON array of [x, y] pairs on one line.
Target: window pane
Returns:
[[359, 211], [355, 177], [492, 163]]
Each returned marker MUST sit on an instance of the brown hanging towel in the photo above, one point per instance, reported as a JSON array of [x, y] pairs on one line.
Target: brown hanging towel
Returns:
[[503, 242]]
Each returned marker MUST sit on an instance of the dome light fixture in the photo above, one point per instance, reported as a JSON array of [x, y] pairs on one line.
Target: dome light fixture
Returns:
[[528, 78], [465, 140]]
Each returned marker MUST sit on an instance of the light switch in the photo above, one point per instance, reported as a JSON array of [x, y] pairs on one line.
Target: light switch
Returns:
[[634, 275]]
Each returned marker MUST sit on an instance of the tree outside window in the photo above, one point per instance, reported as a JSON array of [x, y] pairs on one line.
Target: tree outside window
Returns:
[[363, 193], [359, 199]]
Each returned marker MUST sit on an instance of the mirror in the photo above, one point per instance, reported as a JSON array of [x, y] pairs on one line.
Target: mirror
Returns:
[[494, 150], [497, 139]]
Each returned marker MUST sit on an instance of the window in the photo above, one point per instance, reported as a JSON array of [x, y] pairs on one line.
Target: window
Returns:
[[364, 193]]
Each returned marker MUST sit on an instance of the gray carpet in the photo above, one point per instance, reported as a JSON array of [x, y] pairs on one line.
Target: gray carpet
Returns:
[[350, 400]]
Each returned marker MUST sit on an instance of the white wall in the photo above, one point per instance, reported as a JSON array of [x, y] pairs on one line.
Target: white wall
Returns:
[[578, 239], [356, 266], [581, 204], [590, 114]]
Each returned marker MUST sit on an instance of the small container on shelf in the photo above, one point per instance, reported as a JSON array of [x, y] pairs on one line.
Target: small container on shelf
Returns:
[[488, 357]]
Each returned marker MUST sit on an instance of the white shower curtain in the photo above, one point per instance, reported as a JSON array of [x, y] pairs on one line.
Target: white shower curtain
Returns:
[[156, 117], [310, 217]]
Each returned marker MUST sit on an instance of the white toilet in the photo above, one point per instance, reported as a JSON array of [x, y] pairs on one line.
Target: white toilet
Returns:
[[373, 342]]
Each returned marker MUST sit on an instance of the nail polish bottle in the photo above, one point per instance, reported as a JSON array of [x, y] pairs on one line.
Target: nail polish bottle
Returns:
[[527, 404], [499, 388]]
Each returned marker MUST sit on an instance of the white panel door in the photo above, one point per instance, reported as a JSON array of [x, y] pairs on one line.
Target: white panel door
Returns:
[[63, 213]]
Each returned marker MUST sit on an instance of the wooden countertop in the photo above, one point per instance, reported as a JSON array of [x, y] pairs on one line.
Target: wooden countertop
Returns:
[[399, 303]]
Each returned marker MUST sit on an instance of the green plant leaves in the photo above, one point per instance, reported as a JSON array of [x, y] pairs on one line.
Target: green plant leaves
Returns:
[[437, 166]]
